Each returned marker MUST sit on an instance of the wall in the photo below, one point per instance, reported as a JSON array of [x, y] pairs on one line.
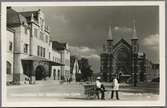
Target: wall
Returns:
[[65, 55], [9, 55], [20, 39], [56, 71], [37, 41]]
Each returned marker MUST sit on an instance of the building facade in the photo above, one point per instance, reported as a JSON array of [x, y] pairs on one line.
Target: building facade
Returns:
[[152, 71], [64, 52], [34, 56], [123, 60], [9, 51]]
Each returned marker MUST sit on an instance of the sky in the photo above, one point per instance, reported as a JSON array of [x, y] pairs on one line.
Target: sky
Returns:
[[86, 28]]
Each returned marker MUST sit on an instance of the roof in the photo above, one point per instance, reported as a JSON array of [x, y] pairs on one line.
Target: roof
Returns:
[[36, 58], [28, 14], [122, 41], [58, 46], [10, 29], [14, 18]]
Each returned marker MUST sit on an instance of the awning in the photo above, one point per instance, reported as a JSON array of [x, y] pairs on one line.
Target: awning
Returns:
[[36, 58]]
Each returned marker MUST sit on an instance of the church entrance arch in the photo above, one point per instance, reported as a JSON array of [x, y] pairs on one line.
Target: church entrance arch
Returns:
[[40, 72], [122, 61]]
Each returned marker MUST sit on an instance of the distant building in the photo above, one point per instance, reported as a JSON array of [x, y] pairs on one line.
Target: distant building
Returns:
[[55, 55], [35, 56], [123, 60], [152, 71], [74, 68], [63, 56]]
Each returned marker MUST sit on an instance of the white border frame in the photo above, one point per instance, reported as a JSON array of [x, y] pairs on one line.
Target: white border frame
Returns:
[[160, 102]]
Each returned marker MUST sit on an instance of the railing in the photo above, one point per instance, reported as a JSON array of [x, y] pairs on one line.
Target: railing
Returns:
[[90, 90]]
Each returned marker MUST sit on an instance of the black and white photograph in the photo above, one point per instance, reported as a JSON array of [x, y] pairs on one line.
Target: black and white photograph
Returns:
[[83, 53]]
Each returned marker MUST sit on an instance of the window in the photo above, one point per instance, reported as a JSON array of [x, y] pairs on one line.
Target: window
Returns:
[[10, 46], [41, 36], [35, 32], [25, 48], [42, 23], [43, 52], [38, 50], [49, 55], [9, 66]]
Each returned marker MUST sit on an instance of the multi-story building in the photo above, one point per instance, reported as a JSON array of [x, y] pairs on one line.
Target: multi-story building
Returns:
[[34, 55], [64, 52], [123, 60], [21, 41]]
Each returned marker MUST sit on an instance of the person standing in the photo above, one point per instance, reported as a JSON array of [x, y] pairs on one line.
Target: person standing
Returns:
[[115, 88], [100, 89]]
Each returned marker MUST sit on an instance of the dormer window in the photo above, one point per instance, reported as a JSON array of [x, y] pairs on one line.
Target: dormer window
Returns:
[[41, 23]]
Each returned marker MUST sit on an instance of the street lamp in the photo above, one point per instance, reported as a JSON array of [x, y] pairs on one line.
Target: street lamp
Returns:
[[135, 69]]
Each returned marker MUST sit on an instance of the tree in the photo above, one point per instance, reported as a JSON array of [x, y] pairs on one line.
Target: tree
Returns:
[[86, 70]]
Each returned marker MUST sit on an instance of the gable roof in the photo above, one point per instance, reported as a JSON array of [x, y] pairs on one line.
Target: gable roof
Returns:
[[28, 14], [122, 41], [58, 46], [14, 18]]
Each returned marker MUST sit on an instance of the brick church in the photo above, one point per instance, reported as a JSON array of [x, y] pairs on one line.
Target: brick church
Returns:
[[122, 59]]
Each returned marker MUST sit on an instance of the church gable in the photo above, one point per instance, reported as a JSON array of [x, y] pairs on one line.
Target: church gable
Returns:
[[122, 58], [121, 43]]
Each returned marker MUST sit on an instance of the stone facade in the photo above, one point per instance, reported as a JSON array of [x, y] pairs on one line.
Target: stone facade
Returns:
[[123, 60], [34, 56], [64, 52]]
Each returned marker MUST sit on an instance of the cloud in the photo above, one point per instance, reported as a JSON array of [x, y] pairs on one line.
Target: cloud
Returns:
[[122, 29], [151, 46], [151, 42], [59, 18], [83, 51], [89, 53]]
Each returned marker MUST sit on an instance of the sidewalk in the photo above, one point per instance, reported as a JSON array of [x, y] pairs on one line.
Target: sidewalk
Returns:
[[52, 89]]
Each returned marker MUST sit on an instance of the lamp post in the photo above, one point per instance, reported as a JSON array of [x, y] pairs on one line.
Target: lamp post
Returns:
[[135, 69]]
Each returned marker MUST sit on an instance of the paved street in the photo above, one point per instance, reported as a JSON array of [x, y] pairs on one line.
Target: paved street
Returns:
[[44, 90]]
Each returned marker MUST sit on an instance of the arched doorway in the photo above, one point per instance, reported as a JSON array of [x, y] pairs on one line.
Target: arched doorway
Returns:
[[40, 72], [122, 60]]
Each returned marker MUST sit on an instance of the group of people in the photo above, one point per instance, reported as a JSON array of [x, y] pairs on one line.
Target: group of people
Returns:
[[100, 89]]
